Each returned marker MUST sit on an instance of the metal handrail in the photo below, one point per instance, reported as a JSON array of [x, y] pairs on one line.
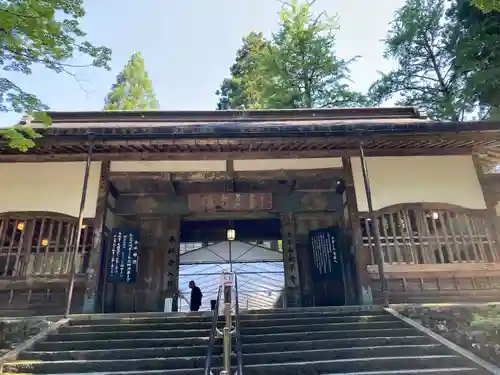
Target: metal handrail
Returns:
[[213, 332], [239, 350]]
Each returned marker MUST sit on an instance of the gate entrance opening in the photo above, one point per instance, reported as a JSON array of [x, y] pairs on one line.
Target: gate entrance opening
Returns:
[[255, 254]]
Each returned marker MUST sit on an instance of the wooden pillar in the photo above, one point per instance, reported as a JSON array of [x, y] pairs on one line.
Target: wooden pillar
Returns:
[[158, 263], [489, 196], [489, 199], [91, 300], [171, 262], [290, 260], [361, 255], [302, 228]]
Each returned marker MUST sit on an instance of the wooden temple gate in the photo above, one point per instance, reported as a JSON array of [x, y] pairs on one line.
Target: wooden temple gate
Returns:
[[432, 247]]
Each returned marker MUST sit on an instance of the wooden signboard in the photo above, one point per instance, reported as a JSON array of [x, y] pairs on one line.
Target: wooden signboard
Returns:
[[230, 202]]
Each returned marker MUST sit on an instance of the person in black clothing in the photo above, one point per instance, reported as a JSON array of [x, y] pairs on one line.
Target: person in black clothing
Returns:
[[196, 295]]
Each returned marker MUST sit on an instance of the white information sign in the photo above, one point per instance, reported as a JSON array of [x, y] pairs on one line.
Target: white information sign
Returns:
[[226, 279]]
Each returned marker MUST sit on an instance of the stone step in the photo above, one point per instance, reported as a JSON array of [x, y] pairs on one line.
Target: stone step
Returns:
[[264, 322], [112, 319], [345, 310], [120, 343], [118, 354], [108, 365], [283, 314], [138, 327], [375, 365], [322, 327], [441, 371], [128, 335], [305, 367], [344, 353], [256, 315], [446, 365], [333, 343], [331, 334], [445, 371]]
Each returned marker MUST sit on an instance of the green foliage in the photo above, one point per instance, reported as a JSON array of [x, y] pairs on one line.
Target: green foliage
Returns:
[[133, 89], [297, 68], [233, 92], [474, 38], [21, 137], [486, 319], [31, 33], [486, 5], [419, 40]]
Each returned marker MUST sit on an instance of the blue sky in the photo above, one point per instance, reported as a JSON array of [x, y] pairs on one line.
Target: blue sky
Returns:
[[189, 45]]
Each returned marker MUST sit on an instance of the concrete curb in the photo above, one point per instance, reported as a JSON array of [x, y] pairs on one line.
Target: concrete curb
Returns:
[[458, 349], [14, 353]]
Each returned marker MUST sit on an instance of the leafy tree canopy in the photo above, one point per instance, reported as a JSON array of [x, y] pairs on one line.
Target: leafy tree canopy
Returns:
[[133, 89], [296, 68], [419, 40], [233, 93], [486, 5], [474, 40], [46, 33]]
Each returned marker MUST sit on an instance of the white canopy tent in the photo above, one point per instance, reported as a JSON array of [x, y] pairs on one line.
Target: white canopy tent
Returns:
[[258, 264]]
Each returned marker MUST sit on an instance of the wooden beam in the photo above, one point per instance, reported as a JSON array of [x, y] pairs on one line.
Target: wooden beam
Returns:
[[445, 270], [130, 205], [259, 176], [36, 282], [155, 156]]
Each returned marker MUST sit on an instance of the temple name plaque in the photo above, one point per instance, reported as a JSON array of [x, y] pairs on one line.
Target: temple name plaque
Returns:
[[230, 202]]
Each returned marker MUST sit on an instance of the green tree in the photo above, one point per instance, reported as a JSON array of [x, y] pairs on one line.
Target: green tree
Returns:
[[233, 92], [474, 42], [426, 77], [31, 34], [297, 68], [133, 89], [486, 5]]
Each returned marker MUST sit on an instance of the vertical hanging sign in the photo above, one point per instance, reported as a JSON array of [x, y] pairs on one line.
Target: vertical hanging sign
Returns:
[[325, 260], [124, 261]]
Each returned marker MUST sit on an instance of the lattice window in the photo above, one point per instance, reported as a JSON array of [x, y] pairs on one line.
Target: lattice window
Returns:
[[431, 236], [41, 246]]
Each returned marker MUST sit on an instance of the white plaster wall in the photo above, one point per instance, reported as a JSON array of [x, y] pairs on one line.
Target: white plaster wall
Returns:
[[286, 164], [169, 166], [418, 179], [220, 165], [54, 187]]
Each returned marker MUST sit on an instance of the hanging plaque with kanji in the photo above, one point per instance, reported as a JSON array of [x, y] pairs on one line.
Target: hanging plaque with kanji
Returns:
[[124, 260]]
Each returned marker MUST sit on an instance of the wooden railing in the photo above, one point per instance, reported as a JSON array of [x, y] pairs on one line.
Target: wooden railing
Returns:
[[35, 256], [410, 236]]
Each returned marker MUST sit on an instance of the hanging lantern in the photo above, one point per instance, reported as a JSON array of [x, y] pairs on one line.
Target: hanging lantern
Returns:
[[231, 234]]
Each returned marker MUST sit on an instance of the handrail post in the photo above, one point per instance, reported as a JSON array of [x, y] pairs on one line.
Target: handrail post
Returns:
[[239, 354], [227, 331], [213, 333]]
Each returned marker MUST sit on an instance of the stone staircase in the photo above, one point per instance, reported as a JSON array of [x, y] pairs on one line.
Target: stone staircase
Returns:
[[156, 344], [275, 342], [325, 341]]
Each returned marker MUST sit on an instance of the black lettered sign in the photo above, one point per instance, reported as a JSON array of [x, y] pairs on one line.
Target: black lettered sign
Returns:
[[124, 260], [325, 258]]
